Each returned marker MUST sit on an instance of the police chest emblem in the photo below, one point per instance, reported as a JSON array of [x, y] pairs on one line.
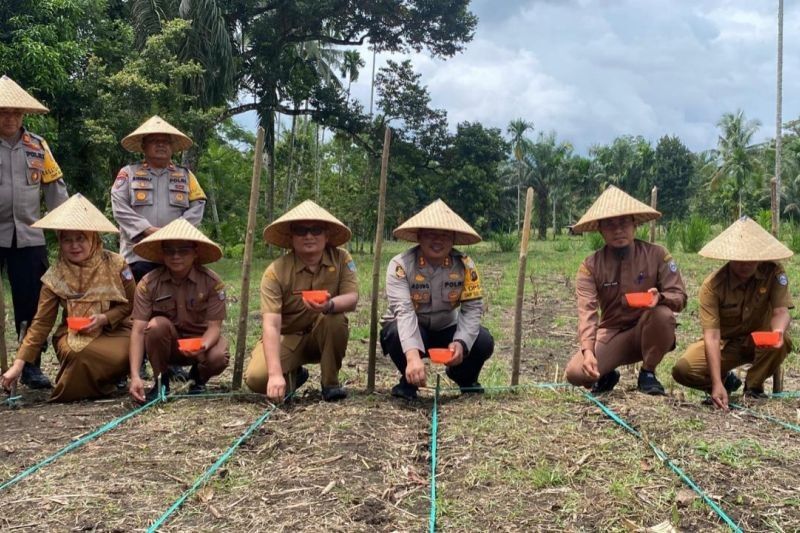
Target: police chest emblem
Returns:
[[453, 275], [179, 196], [331, 269], [762, 290], [673, 266], [141, 195], [419, 277], [399, 272], [783, 280], [35, 176]]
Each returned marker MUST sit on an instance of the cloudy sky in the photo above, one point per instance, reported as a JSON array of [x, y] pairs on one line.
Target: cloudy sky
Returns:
[[593, 70]]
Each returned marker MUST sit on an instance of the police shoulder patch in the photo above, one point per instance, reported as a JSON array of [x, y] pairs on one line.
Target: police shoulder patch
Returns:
[[399, 272]]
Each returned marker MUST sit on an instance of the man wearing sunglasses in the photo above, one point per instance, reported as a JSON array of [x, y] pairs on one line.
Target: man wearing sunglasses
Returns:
[[180, 300], [300, 327]]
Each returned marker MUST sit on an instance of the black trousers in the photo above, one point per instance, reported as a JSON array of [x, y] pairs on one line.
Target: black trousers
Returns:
[[25, 268], [139, 269], [464, 374]]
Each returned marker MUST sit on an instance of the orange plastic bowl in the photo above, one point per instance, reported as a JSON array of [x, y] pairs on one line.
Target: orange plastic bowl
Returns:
[[766, 339], [318, 297], [440, 355], [639, 299], [76, 323], [190, 345]]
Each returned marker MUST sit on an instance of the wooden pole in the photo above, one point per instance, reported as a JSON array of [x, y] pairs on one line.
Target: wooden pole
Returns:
[[777, 376], [523, 259], [244, 296], [3, 347], [376, 263], [653, 204]]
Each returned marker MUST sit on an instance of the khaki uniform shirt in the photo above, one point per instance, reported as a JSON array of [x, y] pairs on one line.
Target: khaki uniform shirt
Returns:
[[189, 304], [143, 197], [27, 169], [603, 280], [288, 274], [738, 308], [435, 298], [118, 316]]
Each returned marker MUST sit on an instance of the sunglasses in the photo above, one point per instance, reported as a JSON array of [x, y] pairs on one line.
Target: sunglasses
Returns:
[[177, 250], [302, 231]]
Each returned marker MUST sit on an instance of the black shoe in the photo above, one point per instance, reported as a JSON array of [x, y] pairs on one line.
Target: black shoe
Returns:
[[731, 382], [606, 383], [755, 394], [32, 377], [122, 383], [649, 384], [475, 388], [300, 377], [333, 394], [404, 390], [198, 385], [178, 373]]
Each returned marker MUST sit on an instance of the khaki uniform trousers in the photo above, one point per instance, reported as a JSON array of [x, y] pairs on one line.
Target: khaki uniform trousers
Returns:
[[161, 344], [649, 340], [92, 372], [691, 370], [325, 344]]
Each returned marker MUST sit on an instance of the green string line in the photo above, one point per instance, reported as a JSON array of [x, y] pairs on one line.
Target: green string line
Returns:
[[772, 419], [508, 388], [787, 394], [83, 440], [205, 476], [434, 435], [664, 458], [204, 395]]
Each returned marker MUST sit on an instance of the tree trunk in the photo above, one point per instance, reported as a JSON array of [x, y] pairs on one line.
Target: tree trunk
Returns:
[[212, 199], [542, 203], [287, 200], [316, 163], [554, 217]]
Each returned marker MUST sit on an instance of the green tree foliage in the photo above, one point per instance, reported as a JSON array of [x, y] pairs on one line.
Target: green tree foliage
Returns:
[[673, 174], [626, 163], [547, 163]]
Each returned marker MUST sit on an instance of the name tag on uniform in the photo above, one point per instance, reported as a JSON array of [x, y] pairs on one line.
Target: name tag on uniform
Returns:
[[607, 284]]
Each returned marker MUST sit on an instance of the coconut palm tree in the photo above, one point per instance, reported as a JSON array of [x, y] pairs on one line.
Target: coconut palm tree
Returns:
[[546, 166], [737, 160], [519, 143]]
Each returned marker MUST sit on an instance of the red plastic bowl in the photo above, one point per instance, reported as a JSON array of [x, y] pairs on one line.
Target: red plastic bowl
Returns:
[[318, 297], [76, 323], [441, 356], [639, 299], [190, 345], [766, 339]]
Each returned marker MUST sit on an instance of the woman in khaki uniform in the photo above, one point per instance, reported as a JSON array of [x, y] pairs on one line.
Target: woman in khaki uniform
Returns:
[[750, 292], [87, 281]]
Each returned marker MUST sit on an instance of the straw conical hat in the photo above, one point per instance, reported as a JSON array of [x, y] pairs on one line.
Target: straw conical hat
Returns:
[[437, 215], [12, 96], [612, 203], [279, 232], [76, 214], [745, 240], [156, 124], [179, 229]]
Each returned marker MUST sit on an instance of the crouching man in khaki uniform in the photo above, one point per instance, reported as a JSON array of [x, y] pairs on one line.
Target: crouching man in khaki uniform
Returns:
[[749, 293], [298, 330], [612, 332], [182, 299]]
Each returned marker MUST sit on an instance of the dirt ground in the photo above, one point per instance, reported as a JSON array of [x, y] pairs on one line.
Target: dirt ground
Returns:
[[537, 460]]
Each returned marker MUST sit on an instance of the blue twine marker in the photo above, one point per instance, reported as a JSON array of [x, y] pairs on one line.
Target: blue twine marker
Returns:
[[218, 395], [509, 388], [664, 458], [769, 418], [787, 394], [434, 435], [80, 442], [205, 476]]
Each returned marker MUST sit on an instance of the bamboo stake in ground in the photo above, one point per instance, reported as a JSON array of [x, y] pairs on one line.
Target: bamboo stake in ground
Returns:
[[3, 347], [653, 204], [523, 259], [244, 296], [376, 263], [777, 377]]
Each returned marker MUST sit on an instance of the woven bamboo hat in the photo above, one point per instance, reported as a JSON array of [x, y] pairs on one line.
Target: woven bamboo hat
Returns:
[[179, 229], [156, 124], [439, 216], [12, 96], [745, 240], [279, 232], [612, 203], [76, 214]]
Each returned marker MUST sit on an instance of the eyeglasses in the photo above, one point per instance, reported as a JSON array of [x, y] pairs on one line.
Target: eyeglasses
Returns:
[[177, 250], [302, 231]]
